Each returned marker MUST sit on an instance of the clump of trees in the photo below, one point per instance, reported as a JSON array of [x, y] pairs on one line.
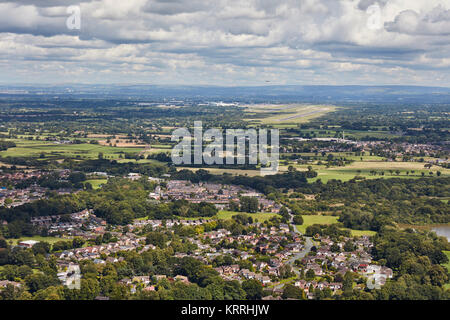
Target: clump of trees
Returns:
[[415, 258], [266, 184], [326, 230], [5, 145]]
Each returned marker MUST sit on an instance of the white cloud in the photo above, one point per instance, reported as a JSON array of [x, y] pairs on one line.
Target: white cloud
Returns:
[[227, 41]]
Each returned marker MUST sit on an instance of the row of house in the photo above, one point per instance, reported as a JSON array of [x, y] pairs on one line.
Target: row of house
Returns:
[[95, 252], [218, 194]]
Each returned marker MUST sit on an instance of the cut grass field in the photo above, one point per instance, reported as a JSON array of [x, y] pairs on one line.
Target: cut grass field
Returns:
[[325, 174], [227, 215], [260, 216], [359, 233], [250, 173], [282, 282], [357, 168], [50, 240], [96, 183], [139, 161], [386, 165], [364, 168], [309, 220]]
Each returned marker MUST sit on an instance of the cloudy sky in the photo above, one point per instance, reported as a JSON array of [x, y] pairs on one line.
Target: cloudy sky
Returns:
[[226, 42]]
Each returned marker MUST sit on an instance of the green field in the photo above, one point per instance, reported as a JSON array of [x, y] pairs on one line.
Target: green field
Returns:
[[220, 171], [346, 155], [310, 220], [139, 161], [261, 216], [364, 168], [227, 215], [26, 148], [359, 233], [50, 240], [377, 134], [96, 183]]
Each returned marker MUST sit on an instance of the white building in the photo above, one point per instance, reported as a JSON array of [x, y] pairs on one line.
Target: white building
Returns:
[[28, 243]]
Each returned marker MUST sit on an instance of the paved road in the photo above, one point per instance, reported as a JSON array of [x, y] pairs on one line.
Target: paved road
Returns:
[[304, 114], [308, 245]]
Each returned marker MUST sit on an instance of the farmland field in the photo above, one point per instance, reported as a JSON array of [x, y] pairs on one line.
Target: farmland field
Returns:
[[27, 148]]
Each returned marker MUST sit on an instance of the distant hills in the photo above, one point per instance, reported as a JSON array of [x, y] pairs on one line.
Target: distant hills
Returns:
[[269, 93]]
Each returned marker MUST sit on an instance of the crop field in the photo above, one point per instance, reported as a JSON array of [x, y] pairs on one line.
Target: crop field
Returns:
[[122, 143], [47, 149]]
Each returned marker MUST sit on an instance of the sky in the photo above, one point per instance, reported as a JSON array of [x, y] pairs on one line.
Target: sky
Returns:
[[226, 42]]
